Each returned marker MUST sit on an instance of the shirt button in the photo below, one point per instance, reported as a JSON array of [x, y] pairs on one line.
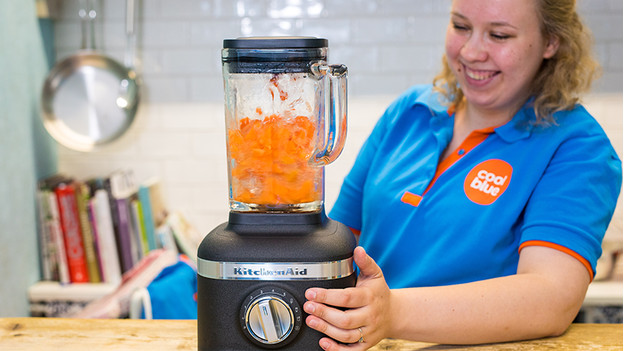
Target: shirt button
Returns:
[[461, 152]]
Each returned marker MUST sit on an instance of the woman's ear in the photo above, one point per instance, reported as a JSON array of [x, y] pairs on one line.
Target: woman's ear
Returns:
[[552, 45]]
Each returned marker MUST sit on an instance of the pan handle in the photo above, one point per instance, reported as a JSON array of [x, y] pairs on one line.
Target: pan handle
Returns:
[[87, 15], [131, 13]]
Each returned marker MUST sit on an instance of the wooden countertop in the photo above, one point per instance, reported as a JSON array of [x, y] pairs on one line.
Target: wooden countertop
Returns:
[[136, 335]]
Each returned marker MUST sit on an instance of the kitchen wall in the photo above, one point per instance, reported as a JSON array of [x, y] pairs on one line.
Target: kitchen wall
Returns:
[[26, 152], [179, 136]]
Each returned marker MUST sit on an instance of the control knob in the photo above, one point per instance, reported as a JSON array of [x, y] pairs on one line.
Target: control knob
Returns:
[[271, 316]]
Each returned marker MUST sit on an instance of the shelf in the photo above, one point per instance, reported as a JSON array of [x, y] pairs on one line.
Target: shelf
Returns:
[[604, 293]]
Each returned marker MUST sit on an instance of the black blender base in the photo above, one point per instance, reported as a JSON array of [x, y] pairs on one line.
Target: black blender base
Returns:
[[220, 327], [253, 273]]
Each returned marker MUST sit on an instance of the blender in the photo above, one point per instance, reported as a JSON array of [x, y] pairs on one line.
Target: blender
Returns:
[[285, 116]]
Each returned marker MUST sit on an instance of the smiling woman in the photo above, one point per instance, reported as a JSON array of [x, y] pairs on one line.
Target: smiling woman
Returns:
[[562, 69], [480, 201]]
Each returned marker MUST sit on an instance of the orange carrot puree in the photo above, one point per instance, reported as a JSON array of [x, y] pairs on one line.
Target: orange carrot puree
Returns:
[[269, 161]]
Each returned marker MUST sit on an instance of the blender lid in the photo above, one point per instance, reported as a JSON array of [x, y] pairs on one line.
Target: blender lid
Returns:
[[273, 55], [275, 43]]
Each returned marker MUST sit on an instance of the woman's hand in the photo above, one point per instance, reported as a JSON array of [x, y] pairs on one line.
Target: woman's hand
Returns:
[[367, 318]]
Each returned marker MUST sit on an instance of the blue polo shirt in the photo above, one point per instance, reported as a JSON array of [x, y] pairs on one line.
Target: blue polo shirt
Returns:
[[464, 219]]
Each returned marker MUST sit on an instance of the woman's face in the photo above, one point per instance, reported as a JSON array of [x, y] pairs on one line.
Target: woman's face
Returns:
[[495, 48]]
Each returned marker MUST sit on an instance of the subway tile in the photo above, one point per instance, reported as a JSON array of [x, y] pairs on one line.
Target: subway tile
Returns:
[[351, 8], [207, 88], [239, 8], [605, 26], [379, 30], [210, 144], [186, 9], [149, 62], [212, 197], [212, 33], [163, 144], [161, 88], [615, 5], [268, 27], [429, 30], [411, 7], [378, 83], [189, 61], [586, 7], [360, 59], [190, 117], [190, 172], [164, 34], [615, 56], [610, 81], [173, 34], [337, 31], [397, 58], [295, 8]]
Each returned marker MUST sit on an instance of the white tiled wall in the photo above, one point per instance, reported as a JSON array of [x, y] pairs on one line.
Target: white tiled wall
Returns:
[[179, 136], [387, 44]]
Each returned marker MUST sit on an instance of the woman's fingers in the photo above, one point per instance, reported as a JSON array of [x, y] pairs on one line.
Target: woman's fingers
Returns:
[[344, 319], [346, 298], [368, 266], [343, 335]]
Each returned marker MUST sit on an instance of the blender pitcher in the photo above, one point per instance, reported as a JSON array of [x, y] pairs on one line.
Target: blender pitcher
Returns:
[[285, 110]]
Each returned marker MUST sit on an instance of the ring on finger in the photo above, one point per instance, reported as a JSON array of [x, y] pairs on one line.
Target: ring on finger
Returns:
[[361, 340]]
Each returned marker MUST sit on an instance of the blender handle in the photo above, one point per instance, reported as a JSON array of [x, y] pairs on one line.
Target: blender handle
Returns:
[[337, 115]]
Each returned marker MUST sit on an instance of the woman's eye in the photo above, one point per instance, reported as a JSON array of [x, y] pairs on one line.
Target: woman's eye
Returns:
[[500, 36], [460, 27]]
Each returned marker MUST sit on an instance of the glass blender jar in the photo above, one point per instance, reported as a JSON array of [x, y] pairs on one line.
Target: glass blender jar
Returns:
[[285, 111]]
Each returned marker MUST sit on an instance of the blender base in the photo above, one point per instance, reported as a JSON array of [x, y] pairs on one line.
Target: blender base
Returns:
[[253, 272]]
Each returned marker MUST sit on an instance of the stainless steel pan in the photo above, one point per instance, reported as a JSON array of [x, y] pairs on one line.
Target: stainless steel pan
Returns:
[[89, 99]]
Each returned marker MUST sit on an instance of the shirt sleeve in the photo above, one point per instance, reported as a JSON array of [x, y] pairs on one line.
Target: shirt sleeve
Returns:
[[348, 207], [574, 201]]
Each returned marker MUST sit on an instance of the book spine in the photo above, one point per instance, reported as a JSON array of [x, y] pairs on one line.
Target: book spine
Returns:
[[125, 234], [114, 212], [82, 197], [141, 227], [72, 234], [56, 234], [107, 243], [148, 217], [49, 269], [141, 245], [96, 239]]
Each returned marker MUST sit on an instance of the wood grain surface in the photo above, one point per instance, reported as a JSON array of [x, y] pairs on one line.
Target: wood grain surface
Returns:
[[136, 335]]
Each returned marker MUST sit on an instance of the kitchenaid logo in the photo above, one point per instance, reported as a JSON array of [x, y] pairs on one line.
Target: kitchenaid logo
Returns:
[[265, 272], [275, 270]]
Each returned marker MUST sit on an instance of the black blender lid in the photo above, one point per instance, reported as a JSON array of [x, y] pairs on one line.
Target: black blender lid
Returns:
[[275, 43]]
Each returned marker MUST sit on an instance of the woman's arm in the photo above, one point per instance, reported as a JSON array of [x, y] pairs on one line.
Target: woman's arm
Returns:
[[540, 300]]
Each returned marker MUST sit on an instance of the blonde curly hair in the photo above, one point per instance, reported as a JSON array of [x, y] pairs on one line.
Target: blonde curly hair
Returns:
[[561, 79]]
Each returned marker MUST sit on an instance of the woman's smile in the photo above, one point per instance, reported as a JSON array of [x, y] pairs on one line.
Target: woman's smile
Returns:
[[495, 52], [479, 76]]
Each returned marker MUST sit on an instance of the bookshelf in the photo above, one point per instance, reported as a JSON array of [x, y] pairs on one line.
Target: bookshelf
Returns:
[[95, 234]]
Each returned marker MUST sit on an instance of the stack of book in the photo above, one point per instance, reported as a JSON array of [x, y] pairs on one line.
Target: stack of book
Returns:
[[94, 231]]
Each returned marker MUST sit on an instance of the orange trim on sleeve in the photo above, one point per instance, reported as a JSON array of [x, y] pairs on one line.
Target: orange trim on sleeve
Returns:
[[411, 199], [562, 249]]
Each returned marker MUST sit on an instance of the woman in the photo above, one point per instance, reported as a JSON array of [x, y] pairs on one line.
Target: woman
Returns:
[[483, 200]]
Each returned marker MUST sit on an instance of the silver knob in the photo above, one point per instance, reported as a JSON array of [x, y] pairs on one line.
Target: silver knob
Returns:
[[269, 319]]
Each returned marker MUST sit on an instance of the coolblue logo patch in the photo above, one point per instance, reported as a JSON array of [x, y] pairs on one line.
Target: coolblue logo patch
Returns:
[[487, 181]]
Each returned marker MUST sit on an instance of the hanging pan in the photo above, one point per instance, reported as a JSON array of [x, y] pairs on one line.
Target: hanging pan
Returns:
[[89, 99]]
